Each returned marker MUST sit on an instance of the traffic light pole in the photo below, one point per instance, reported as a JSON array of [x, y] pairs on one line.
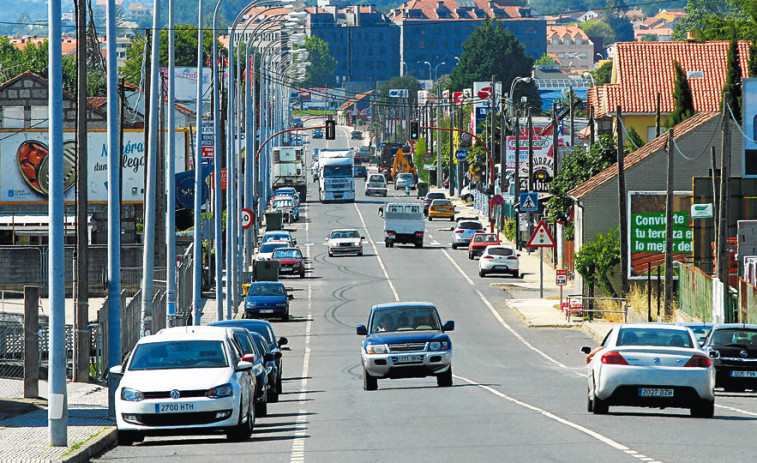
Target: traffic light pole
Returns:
[[480, 142], [296, 129]]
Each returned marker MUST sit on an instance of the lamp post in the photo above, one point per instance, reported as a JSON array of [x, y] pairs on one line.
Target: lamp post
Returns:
[[436, 68], [429, 69], [526, 80], [588, 74]]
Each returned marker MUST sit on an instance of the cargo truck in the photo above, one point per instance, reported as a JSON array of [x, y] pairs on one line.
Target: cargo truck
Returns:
[[288, 169], [336, 181]]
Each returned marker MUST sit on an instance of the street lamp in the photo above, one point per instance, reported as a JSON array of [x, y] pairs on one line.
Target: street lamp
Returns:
[[436, 68], [526, 80], [429, 69], [588, 74]]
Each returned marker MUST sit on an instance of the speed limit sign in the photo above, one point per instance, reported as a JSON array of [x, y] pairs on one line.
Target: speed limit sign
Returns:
[[246, 218]]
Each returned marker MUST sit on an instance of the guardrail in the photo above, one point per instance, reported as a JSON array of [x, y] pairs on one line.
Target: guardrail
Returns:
[[574, 305]]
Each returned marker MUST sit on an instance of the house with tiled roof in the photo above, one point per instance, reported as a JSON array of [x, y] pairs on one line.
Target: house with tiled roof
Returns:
[[571, 46], [596, 200], [642, 70], [433, 31], [357, 106]]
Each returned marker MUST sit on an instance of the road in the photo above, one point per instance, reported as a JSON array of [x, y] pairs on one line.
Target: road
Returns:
[[519, 394]]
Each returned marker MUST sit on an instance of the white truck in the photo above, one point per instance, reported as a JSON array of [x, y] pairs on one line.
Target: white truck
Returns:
[[336, 181], [403, 223], [288, 169]]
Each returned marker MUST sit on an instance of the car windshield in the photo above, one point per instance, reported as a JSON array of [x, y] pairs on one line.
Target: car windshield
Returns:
[[337, 171], [487, 238], [179, 354], [735, 336], [435, 196], [287, 254], [270, 247], [244, 342], [260, 343], [345, 234], [441, 202], [275, 237], [405, 176], [495, 251], [405, 319], [470, 226], [653, 337], [266, 290], [376, 178], [283, 203], [263, 330]]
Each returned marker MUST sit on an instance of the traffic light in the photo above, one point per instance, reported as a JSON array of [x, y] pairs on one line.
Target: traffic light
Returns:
[[330, 130], [414, 132]]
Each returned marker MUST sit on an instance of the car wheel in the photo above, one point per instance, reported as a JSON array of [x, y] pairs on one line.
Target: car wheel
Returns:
[[360, 253], [273, 395], [261, 408], [516, 274], [704, 409], [126, 438], [429, 218], [302, 274], [445, 379], [600, 406], [470, 255], [243, 430], [452, 219], [331, 254], [278, 385], [454, 246], [589, 401], [733, 389], [370, 383], [481, 273], [285, 318], [419, 243]]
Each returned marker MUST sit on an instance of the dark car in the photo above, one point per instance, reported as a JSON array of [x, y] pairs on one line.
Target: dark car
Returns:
[[360, 172], [258, 358], [357, 135], [267, 299], [318, 133], [265, 329], [405, 340], [429, 198], [290, 261], [732, 348], [270, 366], [700, 329]]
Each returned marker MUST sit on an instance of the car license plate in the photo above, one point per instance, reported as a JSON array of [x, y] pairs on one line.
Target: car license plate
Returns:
[[655, 392], [744, 374], [266, 310], [173, 408], [408, 359], [500, 267]]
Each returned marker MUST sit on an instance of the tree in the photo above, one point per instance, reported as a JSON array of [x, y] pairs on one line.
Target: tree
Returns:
[[684, 100], [492, 50], [707, 15], [753, 60], [733, 79], [420, 150], [387, 108], [649, 38], [596, 28], [633, 141], [546, 59], [596, 260], [603, 74], [320, 73], [614, 15]]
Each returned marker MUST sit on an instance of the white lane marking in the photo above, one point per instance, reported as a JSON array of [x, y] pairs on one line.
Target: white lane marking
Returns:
[[738, 410], [552, 416], [375, 252]]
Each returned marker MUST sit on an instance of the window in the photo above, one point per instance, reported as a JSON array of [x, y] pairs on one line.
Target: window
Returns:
[[40, 116], [13, 117], [555, 41]]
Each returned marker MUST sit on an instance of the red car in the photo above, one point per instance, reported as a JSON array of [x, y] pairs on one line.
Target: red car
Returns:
[[291, 261], [479, 242]]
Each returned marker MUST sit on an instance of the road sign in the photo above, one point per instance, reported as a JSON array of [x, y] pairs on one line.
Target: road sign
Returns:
[[461, 154], [541, 237], [246, 218], [429, 166], [398, 93], [498, 200], [529, 202], [702, 211], [561, 277], [485, 93], [427, 156]]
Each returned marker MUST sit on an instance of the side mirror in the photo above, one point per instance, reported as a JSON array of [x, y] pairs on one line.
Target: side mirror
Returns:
[[713, 355], [362, 330], [362, 237], [283, 341], [249, 358], [277, 355], [117, 370], [294, 242], [290, 296], [244, 366], [327, 238], [586, 350], [268, 357], [449, 325]]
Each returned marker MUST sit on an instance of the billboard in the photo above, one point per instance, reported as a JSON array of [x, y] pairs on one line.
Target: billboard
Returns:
[[185, 83], [544, 164], [24, 165], [749, 118], [646, 230]]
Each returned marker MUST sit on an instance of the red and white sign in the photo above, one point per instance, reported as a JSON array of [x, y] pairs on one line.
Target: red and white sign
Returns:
[[561, 277], [541, 238], [485, 93], [246, 218]]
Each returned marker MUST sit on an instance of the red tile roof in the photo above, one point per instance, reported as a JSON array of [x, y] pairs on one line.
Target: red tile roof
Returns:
[[642, 153], [571, 31], [643, 69], [428, 9]]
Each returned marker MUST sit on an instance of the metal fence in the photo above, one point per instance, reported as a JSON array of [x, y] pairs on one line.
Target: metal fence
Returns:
[[747, 302], [698, 298]]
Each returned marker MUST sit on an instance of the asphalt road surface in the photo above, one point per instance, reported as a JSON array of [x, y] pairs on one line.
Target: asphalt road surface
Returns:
[[519, 394]]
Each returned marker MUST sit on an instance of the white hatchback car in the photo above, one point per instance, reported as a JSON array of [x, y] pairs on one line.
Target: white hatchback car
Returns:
[[185, 380], [499, 259], [655, 365]]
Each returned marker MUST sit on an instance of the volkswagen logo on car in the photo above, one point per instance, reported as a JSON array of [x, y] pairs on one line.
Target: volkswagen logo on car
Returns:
[[175, 394]]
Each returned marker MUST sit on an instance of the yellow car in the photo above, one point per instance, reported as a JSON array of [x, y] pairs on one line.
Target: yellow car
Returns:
[[441, 208]]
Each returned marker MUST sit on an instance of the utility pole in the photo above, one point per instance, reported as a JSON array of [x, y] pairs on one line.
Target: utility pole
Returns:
[[657, 123], [502, 154], [716, 212], [592, 133], [555, 163], [530, 168], [516, 179], [725, 196], [669, 234], [572, 120], [451, 148], [491, 125], [623, 213], [81, 353]]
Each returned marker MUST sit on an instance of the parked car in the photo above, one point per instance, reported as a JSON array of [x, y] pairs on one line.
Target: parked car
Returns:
[[441, 209], [499, 259], [357, 135], [733, 350], [271, 368], [188, 379], [479, 242], [360, 172], [655, 365], [318, 133], [405, 340], [251, 354], [278, 235], [286, 205], [267, 299], [264, 328], [345, 241], [290, 260], [288, 191], [430, 197], [375, 185], [404, 179], [265, 251], [464, 231]]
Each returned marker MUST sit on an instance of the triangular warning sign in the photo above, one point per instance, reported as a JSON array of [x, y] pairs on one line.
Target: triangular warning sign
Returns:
[[528, 204], [541, 237]]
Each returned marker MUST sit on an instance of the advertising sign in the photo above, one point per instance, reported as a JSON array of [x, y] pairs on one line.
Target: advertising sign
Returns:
[[646, 230], [24, 165], [398, 93], [185, 83], [749, 110], [544, 164]]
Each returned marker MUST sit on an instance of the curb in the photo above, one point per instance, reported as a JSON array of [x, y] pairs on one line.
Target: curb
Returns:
[[528, 324], [93, 447]]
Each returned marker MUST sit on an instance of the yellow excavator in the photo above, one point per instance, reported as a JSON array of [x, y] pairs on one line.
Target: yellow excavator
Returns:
[[401, 164]]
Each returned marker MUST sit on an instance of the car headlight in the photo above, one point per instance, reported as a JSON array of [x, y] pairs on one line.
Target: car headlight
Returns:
[[220, 391], [131, 395], [334, 244], [375, 349], [436, 345], [249, 305], [357, 243]]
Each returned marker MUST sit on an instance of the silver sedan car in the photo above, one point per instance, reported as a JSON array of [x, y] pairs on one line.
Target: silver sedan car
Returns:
[[464, 231], [345, 241], [655, 365]]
